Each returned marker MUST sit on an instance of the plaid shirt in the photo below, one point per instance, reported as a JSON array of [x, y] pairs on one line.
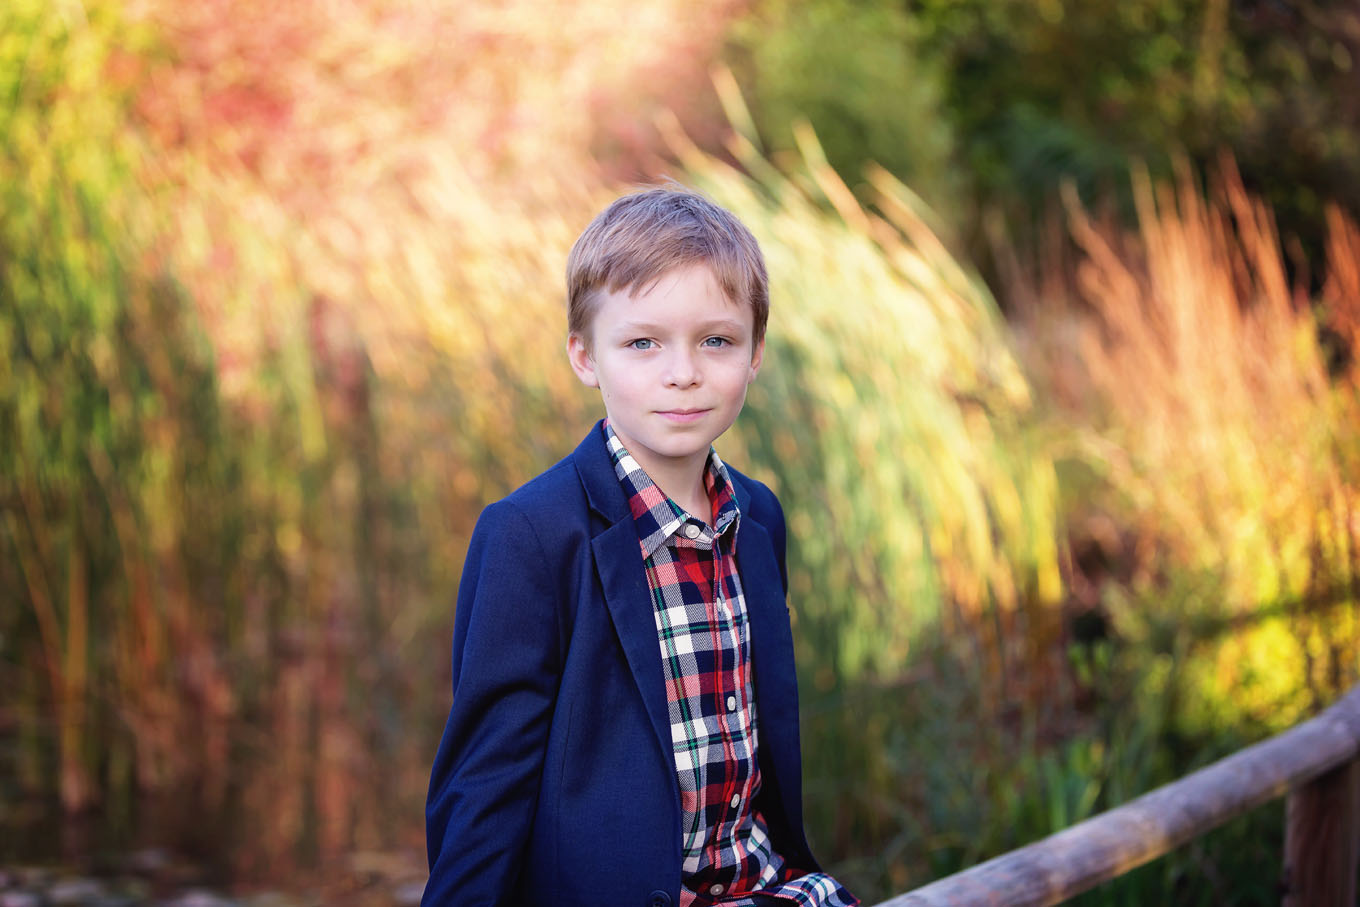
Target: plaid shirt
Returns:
[[701, 625]]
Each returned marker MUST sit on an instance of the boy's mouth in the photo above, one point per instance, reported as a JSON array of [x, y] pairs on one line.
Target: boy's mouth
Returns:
[[681, 415]]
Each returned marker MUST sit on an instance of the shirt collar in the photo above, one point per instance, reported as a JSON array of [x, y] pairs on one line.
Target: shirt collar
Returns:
[[659, 519]]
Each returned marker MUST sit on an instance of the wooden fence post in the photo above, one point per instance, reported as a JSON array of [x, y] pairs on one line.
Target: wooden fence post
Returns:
[[1322, 839]]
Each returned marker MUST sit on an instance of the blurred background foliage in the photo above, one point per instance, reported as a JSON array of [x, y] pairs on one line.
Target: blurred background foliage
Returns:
[[1061, 397], [991, 104]]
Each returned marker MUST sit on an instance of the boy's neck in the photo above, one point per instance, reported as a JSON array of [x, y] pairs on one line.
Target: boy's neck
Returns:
[[683, 483]]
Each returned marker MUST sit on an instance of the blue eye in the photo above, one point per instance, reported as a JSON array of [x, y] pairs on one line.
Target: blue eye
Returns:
[[642, 343], [717, 342]]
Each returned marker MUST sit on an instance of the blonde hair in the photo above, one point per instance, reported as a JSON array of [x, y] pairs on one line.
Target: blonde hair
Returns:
[[641, 237]]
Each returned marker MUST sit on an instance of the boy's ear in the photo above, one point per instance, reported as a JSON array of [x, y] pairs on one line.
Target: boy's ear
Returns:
[[757, 356], [582, 363]]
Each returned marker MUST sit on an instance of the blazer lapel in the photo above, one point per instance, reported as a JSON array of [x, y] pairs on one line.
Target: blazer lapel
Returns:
[[618, 561], [772, 656]]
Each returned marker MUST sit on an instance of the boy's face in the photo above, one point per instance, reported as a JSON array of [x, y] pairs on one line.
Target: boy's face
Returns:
[[672, 364]]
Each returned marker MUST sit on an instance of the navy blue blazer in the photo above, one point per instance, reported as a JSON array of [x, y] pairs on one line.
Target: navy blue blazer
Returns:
[[555, 781]]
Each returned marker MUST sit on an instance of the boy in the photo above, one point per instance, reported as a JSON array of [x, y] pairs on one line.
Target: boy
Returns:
[[624, 729]]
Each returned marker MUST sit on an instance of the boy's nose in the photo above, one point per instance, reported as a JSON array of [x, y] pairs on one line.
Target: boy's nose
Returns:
[[683, 370]]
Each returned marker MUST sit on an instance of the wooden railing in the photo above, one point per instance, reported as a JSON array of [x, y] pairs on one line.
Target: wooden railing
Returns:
[[1317, 764]]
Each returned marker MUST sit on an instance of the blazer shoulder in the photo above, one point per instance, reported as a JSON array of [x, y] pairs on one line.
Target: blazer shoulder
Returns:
[[553, 503], [539, 532], [764, 503], [557, 482]]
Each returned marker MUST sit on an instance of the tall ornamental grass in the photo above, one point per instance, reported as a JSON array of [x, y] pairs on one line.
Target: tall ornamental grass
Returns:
[[1212, 445], [1200, 413], [78, 399]]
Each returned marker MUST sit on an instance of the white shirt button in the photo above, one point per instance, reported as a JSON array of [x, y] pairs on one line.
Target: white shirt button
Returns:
[[736, 798], [715, 889], [692, 530], [731, 703]]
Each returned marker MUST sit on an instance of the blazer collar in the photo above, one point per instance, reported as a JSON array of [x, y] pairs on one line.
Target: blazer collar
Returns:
[[603, 491]]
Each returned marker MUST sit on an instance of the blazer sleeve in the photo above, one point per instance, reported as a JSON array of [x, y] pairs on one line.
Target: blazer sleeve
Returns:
[[506, 670]]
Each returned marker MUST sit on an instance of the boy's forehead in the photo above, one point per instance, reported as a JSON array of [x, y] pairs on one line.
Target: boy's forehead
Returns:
[[662, 298], [696, 272]]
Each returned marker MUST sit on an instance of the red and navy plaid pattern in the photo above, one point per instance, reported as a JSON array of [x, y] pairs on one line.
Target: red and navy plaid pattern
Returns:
[[702, 628]]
